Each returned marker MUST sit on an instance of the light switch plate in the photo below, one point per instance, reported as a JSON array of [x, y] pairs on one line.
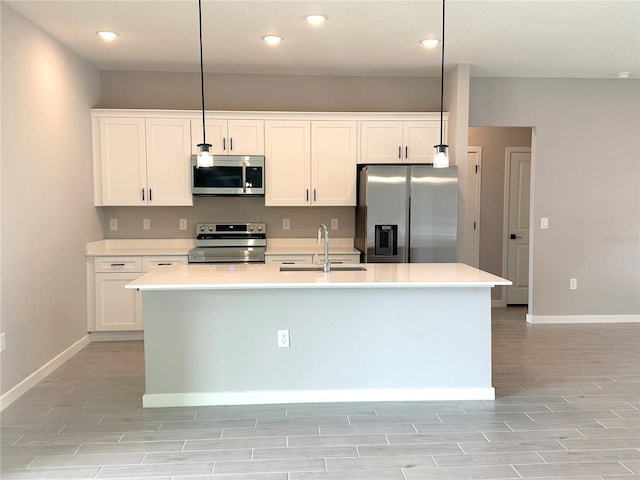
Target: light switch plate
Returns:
[[113, 224], [285, 224], [573, 284], [334, 224], [544, 223], [283, 338], [183, 224], [146, 224]]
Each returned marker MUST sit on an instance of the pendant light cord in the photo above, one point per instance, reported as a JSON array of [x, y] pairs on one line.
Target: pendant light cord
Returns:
[[442, 78], [204, 137]]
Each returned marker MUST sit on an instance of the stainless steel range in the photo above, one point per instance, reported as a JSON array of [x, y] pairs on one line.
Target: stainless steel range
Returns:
[[229, 243]]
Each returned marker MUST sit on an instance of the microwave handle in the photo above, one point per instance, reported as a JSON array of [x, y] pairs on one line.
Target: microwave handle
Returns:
[[244, 177]]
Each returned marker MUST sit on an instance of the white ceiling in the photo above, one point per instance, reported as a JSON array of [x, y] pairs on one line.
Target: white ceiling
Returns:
[[518, 38]]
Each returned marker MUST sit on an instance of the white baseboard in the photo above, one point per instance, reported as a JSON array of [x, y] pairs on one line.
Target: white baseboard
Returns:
[[583, 319], [29, 382], [116, 336], [312, 396]]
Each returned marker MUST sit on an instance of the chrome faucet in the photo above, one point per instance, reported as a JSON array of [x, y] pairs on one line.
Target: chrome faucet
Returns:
[[325, 264]]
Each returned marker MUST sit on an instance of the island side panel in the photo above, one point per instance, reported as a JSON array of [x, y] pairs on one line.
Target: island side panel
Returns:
[[220, 346]]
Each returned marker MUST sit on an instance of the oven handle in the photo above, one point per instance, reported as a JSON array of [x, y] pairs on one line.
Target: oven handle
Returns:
[[244, 177]]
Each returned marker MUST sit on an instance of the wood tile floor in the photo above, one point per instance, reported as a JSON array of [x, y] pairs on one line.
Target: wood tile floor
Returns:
[[567, 407]]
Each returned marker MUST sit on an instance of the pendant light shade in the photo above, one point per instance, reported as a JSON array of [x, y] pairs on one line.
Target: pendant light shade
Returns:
[[441, 151], [204, 158]]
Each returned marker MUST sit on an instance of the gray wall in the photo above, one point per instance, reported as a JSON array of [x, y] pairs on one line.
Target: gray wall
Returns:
[[494, 141], [47, 212], [585, 178]]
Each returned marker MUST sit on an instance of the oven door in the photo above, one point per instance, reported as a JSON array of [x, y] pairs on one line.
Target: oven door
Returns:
[[227, 255], [230, 175]]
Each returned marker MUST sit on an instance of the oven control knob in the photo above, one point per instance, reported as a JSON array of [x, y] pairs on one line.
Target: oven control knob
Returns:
[[251, 228], [202, 228], [259, 228], [211, 228]]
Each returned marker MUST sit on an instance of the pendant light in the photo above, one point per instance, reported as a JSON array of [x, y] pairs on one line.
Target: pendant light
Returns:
[[204, 158], [441, 151]]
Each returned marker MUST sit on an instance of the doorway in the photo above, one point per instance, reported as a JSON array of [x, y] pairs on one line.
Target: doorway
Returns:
[[492, 228]]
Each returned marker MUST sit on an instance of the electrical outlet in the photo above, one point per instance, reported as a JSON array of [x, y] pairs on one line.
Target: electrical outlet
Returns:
[[283, 338], [183, 224], [285, 224], [3, 344], [573, 284], [113, 224], [544, 223], [334, 224], [146, 224]]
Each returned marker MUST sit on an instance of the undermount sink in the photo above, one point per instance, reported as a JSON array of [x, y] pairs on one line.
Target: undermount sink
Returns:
[[320, 268]]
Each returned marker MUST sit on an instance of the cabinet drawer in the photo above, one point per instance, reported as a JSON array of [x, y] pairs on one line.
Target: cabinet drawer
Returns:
[[118, 264], [339, 258], [289, 259], [149, 263]]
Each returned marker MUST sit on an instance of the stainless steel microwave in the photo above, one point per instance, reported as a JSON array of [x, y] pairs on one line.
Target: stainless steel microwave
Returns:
[[230, 175]]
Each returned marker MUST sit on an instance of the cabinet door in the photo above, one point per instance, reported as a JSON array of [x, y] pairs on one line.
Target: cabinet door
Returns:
[[333, 163], [245, 137], [168, 161], [381, 142], [287, 163], [117, 308], [419, 139], [292, 259], [123, 161], [216, 131]]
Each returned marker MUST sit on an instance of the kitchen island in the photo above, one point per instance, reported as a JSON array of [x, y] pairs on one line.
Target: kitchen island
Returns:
[[393, 332]]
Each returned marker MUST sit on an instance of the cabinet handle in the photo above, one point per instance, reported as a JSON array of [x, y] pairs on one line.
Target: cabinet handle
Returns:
[[143, 194], [400, 152], [307, 196], [224, 143], [150, 199], [332, 262], [315, 197], [288, 263], [162, 264], [406, 152], [117, 264], [230, 143], [244, 177]]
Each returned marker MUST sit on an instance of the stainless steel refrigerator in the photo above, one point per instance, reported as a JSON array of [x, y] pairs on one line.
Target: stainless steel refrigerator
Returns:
[[407, 213]]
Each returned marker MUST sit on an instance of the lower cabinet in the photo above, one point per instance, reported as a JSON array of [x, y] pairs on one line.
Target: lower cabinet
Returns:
[[114, 307], [311, 258]]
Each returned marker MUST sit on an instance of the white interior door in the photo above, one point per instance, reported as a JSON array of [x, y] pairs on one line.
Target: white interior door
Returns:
[[474, 160], [519, 192]]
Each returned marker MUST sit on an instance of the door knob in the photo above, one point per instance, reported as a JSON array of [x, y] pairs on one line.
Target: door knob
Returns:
[[513, 236]]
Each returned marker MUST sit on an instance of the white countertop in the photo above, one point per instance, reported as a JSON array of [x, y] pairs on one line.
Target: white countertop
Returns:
[[255, 276], [181, 246], [310, 246], [139, 246]]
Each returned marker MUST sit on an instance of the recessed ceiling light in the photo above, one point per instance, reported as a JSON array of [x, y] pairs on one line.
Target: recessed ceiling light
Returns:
[[624, 75], [430, 42], [315, 19], [105, 35], [272, 39]]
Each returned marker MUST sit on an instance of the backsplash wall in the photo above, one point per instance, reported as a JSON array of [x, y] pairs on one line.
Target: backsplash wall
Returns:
[[164, 221]]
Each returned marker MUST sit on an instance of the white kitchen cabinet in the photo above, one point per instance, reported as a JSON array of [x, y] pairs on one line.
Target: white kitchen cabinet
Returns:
[[338, 258], [229, 137], [116, 308], [290, 259], [143, 161], [399, 141], [310, 163]]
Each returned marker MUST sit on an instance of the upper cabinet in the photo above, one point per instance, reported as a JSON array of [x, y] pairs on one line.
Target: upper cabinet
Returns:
[[310, 163], [229, 137], [399, 141], [142, 161]]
